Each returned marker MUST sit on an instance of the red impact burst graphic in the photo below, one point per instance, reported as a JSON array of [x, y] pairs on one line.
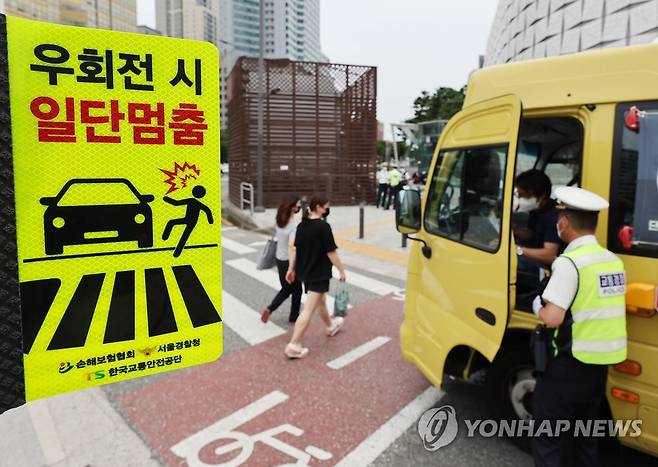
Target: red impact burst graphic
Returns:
[[178, 178]]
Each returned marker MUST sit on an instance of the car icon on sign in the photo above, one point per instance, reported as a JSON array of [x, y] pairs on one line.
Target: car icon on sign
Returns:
[[102, 210]]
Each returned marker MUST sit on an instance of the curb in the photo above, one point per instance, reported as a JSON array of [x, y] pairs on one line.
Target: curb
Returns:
[[241, 219]]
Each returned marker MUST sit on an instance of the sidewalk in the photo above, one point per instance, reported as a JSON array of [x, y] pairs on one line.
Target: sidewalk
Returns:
[[380, 250]]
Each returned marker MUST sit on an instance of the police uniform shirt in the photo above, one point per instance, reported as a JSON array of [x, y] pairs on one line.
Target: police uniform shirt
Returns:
[[563, 285]]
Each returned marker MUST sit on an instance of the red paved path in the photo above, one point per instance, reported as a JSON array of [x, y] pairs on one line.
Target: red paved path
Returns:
[[336, 409]]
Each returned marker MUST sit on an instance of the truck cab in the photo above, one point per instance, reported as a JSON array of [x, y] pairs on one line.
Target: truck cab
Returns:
[[584, 120]]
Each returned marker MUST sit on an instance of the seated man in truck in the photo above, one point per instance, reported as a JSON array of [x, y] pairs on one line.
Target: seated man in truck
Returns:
[[537, 241]]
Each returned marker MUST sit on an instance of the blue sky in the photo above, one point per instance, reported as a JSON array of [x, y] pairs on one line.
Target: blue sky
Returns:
[[415, 44]]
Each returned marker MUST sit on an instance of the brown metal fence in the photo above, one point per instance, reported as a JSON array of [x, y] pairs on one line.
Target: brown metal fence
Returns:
[[320, 130]]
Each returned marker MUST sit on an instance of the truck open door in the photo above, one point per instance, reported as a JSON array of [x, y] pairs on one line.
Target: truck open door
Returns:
[[464, 284]]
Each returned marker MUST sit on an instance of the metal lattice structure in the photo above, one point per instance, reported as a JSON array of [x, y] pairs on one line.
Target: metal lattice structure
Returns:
[[320, 130]]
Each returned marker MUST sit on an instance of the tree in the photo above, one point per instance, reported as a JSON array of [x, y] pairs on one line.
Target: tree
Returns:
[[381, 151], [442, 105]]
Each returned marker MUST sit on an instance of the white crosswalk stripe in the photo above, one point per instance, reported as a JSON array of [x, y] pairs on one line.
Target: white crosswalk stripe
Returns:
[[268, 277], [246, 322], [236, 247], [372, 285]]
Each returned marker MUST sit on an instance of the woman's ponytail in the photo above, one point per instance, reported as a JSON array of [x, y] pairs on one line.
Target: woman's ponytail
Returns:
[[313, 205], [305, 213]]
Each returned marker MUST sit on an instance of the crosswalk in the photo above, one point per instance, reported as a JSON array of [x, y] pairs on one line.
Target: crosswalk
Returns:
[[245, 320], [246, 323]]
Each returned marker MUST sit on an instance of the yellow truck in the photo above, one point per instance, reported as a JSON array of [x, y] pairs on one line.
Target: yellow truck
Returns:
[[584, 120]]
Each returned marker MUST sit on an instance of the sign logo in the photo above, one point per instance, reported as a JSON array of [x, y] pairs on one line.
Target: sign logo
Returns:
[[438, 427]]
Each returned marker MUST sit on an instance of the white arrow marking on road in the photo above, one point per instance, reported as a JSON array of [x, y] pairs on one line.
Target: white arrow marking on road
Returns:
[[358, 352], [246, 322], [366, 452], [236, 247]]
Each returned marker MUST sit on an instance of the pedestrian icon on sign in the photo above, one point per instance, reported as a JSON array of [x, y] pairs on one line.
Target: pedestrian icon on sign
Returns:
[[193, 209]]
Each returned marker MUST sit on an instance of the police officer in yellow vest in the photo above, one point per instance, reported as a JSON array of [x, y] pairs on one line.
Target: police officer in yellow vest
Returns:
[[584, 307]]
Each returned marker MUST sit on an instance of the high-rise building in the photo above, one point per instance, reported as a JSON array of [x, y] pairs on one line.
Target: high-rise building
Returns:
[[525, 29], [292, 30], [188, 19], [118, 15]]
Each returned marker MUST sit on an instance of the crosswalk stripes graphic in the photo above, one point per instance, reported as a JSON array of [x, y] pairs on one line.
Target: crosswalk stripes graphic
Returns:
[[160, 312], [197, 301], [122, 309], [74, 325], [38, 297]]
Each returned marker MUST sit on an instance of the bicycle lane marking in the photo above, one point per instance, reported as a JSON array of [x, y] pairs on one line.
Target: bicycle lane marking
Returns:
[[320, 412]]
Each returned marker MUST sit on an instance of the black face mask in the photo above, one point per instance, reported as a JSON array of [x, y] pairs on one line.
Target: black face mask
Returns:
[[326, 213]]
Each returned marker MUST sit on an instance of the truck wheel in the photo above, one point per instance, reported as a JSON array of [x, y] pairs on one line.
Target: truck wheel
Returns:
[[510, 386]]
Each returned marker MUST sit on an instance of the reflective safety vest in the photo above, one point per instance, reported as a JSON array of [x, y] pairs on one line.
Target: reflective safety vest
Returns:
[[598, 313], [394, 177]]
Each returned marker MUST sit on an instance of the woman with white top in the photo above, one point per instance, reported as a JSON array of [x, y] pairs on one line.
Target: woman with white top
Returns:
[[286, 226]]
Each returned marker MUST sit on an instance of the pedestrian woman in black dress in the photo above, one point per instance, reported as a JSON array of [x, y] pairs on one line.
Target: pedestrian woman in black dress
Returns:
[[310, 262], [286, 226]]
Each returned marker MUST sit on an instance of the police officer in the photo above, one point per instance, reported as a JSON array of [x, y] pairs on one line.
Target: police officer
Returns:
[[394, 185], [584, 305]]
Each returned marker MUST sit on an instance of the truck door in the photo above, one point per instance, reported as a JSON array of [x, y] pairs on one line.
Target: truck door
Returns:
[[464, 295]]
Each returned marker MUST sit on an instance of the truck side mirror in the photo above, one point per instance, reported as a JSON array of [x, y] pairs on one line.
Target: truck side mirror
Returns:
[[407, 212]]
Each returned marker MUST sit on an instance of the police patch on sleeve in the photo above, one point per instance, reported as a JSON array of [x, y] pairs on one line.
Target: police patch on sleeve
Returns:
[[612, 284]]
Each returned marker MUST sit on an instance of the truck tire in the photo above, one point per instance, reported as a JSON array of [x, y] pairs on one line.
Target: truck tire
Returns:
[[510, 386]]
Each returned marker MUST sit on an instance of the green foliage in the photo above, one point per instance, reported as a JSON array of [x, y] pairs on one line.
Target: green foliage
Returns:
[[442, 105], [381, 151]]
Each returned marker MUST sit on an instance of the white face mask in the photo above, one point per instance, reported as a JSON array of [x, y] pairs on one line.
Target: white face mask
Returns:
[[528, 204], [559, 231]]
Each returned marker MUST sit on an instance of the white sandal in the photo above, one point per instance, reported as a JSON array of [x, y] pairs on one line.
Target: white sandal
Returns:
[[295, 351]]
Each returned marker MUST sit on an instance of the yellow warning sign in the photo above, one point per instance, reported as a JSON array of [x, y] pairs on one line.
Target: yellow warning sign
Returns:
[[117, 187]]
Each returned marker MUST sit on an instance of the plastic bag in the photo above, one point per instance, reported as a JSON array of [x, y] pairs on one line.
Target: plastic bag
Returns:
[[341, 301]]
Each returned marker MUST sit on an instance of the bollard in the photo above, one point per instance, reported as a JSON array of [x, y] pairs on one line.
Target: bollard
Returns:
[[404, 240], [361, 215]]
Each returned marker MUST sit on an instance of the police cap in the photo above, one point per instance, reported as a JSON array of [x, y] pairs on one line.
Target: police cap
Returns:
[[577, 199]]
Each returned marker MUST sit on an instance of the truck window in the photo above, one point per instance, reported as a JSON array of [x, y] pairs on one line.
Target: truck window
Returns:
[[553, 145], [466, 195], [624, 182]]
